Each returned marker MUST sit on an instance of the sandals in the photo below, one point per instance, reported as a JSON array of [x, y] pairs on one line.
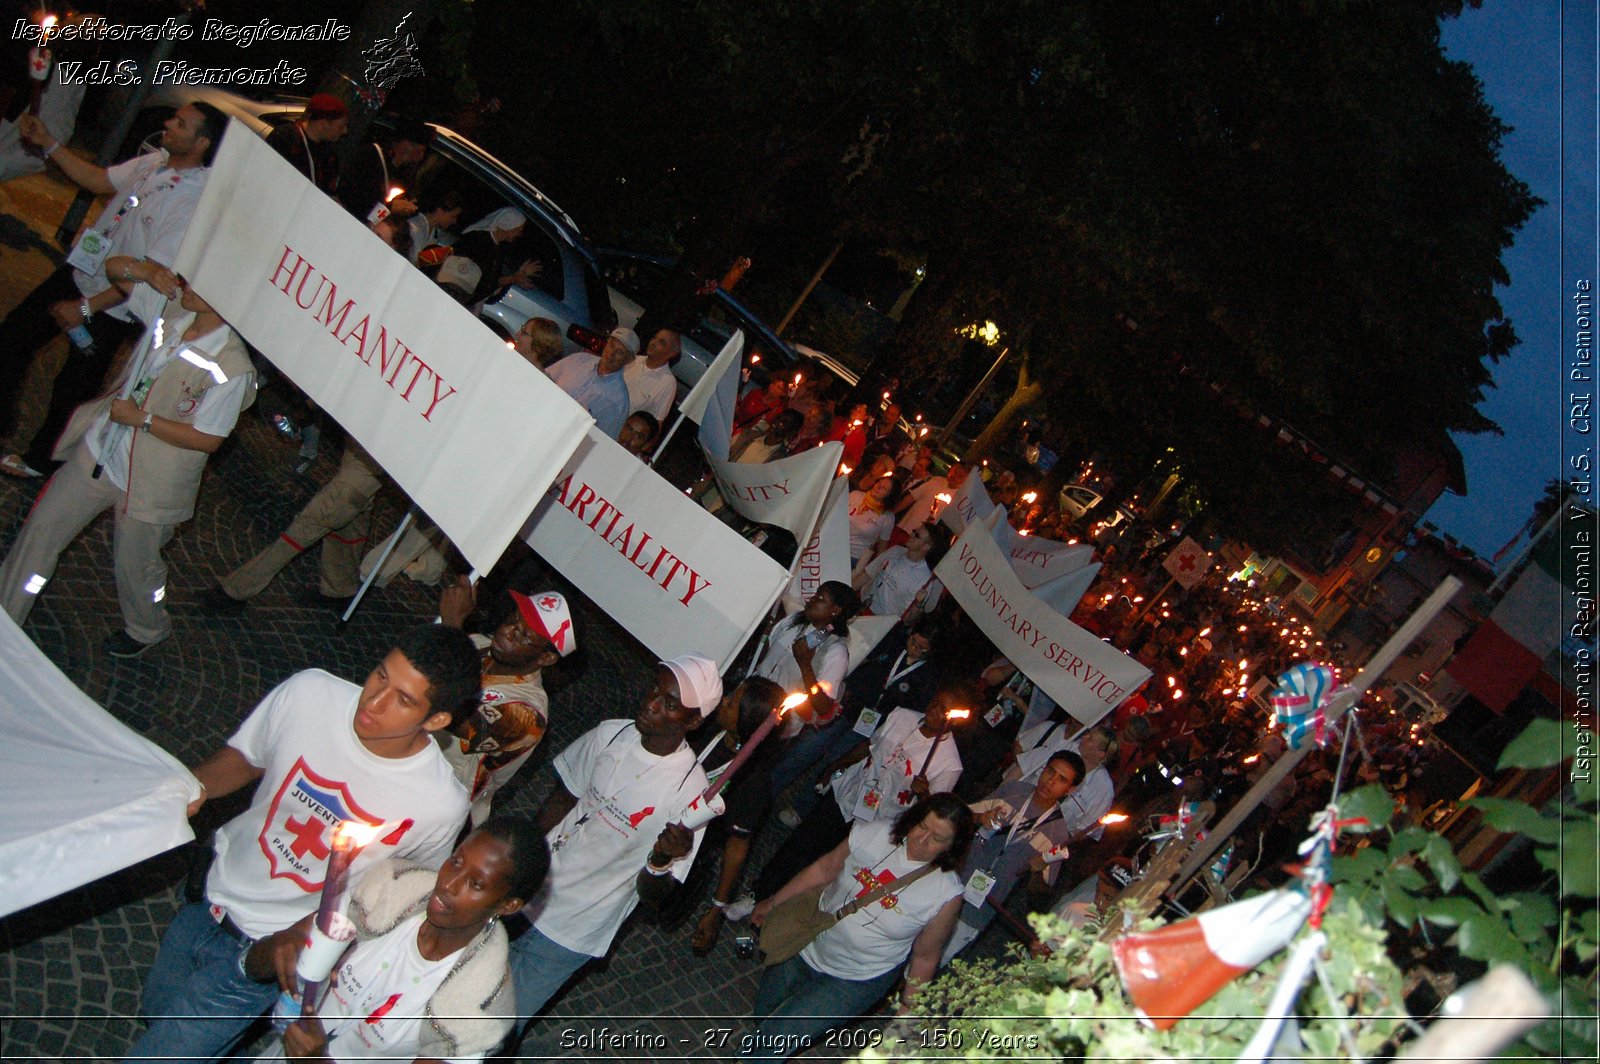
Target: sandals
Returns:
[[706, 932]]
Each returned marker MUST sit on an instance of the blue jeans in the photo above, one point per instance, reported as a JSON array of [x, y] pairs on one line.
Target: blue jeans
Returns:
[[539, 968], [811, 750], [196, 999], [799, 1003]]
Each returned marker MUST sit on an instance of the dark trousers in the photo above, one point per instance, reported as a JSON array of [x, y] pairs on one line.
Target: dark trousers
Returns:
[[820, 832], [30, 327]]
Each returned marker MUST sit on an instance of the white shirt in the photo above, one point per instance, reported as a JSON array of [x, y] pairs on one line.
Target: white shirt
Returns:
[[271, 858], [868, 943], [922, 494], [896, 579], [218, 407], [829, 665], [626, 795], [879, 787], [374, 1010], [650, 389], [147, 216], [867, 526]]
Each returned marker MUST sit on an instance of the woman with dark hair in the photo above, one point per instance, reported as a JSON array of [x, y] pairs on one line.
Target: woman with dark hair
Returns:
[[847, 968], [809, 651], [748, 797], [871, 513], [427, 977]]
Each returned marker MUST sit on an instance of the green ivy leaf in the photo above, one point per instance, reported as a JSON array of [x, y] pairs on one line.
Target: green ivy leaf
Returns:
[[1406, 876], [1579, 875], [1450, 912], [1485, 937], [1517, 818], [1483, 893], [1442, 861], [1322, 1040], [1361, 867], [1372, 802], [1533, 918], [1409, 840], [1401, 904], [1537, 747]]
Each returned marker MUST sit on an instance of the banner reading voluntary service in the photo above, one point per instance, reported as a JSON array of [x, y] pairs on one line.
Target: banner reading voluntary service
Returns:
[[1086, 677], [469, 430], [660, 566]]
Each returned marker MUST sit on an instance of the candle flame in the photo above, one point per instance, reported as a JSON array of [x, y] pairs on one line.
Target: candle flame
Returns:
[[958, 714], [353, 834], [844, 470], [1024, 531], [798, 377], [1204, 632], [1113, 818], [1252, 759], [1030, 496], [755, 357], [943, 497], [799, 698], [49, 22], [924, 431], [886, 397], [395, 192]]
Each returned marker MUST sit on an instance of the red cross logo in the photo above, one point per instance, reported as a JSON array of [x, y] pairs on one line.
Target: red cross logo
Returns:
[[1186, 562], [308, 838], [868, 883], [549, 602]]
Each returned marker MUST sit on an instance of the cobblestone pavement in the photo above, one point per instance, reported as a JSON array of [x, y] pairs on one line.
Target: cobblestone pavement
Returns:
[[71, 968]]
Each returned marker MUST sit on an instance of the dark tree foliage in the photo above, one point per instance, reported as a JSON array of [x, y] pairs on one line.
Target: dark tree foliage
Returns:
[[1299, 202]]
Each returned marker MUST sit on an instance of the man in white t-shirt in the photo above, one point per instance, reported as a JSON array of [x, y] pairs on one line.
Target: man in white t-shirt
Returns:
[[614, 828], [1091, 798], [324, 751], [150, 201], [651, 385]]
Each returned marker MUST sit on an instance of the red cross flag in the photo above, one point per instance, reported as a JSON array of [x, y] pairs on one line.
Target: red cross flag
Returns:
[[1187, 563]]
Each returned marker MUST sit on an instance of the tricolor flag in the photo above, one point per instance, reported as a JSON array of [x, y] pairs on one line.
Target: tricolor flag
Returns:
[[1511, 645]]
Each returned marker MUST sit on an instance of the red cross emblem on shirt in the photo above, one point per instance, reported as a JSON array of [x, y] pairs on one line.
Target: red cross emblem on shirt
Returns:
[[308, 837], [869, 883], [549, 602]]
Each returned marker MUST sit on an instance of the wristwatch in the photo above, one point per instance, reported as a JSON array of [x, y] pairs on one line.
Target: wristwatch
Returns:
[[144, 426]]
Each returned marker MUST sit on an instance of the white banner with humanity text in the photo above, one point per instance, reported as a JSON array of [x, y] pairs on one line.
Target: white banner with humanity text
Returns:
[[673, 575], [471, 432], [1086, 677]]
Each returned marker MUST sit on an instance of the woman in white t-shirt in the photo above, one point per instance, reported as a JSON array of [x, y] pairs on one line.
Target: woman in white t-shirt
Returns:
[[847, 968], [871, 514], [428, 976]]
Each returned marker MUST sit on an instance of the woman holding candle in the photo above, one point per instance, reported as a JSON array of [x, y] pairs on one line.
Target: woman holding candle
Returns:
[[427, 976], [808, 651], [871, 514], [748, 795], [849, 966], [909, 757]]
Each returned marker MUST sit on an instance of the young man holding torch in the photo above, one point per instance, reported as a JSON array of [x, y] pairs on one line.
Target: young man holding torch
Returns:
[[325, 752]]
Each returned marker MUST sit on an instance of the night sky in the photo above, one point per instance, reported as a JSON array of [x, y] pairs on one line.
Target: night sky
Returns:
[[1515, 46]]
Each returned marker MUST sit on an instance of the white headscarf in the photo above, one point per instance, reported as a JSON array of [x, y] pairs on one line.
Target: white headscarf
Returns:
[[506, 218]]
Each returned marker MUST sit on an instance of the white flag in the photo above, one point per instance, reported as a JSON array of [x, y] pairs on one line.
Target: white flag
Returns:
[[826, 555], [787, 493]]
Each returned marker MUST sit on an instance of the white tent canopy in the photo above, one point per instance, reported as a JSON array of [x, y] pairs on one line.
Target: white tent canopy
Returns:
[[83, 794]]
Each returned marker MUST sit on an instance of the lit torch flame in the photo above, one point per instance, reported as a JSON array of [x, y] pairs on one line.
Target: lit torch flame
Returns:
[[353, 834], [957, 714], [394, 193], [1113, 818], [1030, 497], [799, 698]]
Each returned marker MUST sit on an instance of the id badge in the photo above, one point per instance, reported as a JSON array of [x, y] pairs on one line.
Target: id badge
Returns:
[[867, 723], [866, 807], [976, 892], [996, 714], [91, 252]]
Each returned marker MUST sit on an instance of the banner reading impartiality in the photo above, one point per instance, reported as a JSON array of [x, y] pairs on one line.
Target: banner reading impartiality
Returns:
[[1086, 677], [660, 566], [787, 493], [469, 430], [826, 555]]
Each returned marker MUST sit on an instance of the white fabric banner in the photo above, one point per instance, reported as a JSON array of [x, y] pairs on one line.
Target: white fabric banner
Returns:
[[660, 566], [971, 502], [694, 404], [1037, 560], [470, 431], [787, 493], [826, 555], [715, 412], [1063, 593], [1086, 677], [866, 633], [84, 795]]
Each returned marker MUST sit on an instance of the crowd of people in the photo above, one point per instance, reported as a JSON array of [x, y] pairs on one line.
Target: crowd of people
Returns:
[[926, 788]]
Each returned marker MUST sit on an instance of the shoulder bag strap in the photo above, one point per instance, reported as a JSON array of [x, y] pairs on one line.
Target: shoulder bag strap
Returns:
[[857, 904]]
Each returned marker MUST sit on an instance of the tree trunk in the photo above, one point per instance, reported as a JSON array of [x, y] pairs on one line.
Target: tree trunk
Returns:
[[1027, 392]]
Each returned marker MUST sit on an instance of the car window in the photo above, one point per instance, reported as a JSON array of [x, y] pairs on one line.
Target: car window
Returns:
[[635, 278]]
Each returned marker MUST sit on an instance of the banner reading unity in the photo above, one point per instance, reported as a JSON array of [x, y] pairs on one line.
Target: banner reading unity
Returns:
[[660, 566], [787, 493], [1086, 677], [470, 431], [971, 503]]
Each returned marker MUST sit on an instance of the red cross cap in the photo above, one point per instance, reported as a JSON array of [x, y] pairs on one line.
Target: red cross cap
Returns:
[[546, 612]]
